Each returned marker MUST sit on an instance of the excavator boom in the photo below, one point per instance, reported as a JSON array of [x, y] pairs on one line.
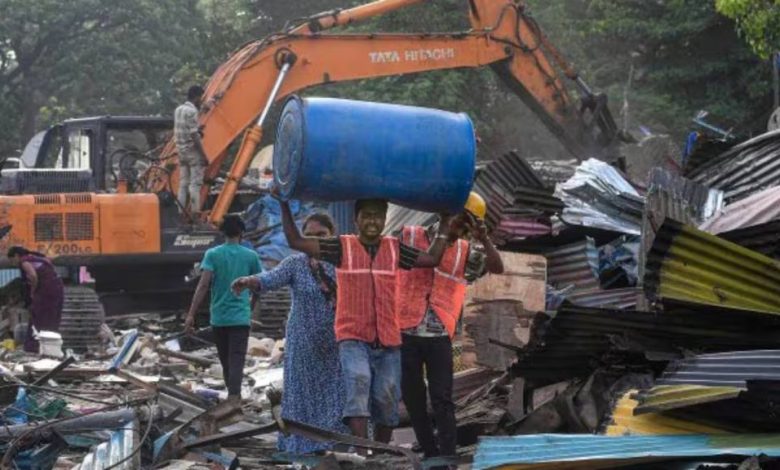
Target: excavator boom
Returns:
[[503, 36]]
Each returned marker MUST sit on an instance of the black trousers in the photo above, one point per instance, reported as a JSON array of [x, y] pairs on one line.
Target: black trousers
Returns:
[[231, 347], [436, 355]]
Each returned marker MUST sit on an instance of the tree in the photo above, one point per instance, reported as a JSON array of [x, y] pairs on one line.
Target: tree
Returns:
[[93, 56], [757, 20], [685, 57]]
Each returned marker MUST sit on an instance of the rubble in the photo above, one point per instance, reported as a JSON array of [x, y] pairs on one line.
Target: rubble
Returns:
[[655, 329], [631, 313]]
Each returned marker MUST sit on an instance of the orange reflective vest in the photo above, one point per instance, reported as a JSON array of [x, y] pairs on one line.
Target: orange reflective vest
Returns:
[[444, 287], [367, 300]]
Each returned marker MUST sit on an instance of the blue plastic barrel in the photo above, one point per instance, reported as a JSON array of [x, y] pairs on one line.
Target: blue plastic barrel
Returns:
[[335, 150]]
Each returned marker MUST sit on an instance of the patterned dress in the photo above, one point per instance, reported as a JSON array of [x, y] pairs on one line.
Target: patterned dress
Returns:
[[313, 392]]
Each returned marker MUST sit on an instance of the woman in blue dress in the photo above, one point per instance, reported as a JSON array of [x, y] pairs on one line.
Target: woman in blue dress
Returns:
[[313, 391]]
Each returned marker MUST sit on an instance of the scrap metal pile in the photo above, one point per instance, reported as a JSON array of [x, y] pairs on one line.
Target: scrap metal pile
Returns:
[[635, 324], [659, 344]]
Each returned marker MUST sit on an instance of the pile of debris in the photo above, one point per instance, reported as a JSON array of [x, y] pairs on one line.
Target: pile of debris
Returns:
[[154, 400], [635, 323], [657, 343]]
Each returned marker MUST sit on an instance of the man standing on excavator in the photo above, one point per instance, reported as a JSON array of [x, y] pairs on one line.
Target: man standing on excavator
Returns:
[[367, 327], [192, 157]]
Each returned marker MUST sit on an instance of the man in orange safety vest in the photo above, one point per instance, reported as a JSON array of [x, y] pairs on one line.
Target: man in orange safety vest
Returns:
[[431, 306], [367, 307]]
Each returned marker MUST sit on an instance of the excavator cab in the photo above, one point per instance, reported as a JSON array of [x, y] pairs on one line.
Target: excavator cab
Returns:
[[88, 154]]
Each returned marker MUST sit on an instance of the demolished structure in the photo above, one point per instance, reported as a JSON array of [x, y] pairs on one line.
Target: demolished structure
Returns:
[[629, 316]]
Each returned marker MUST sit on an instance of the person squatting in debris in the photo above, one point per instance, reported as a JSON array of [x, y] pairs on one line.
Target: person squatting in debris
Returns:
[[430, 310], [192, 156], [366, 325], [311, 361], [44, 293], [230, 315]]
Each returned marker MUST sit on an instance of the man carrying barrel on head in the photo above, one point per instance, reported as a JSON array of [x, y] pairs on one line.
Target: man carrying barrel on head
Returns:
[[367, 327], [431, 306]]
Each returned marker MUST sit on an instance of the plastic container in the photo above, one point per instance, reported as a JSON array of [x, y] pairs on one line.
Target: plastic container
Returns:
[[50, 343], [337, 150]]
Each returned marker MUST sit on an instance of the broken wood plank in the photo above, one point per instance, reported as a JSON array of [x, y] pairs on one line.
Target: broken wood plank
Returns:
[[524, 282]]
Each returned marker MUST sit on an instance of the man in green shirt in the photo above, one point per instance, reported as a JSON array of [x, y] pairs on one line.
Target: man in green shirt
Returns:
[[230, 314]]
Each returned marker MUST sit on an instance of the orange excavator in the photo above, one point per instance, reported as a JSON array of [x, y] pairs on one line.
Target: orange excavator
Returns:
[[133, 241]]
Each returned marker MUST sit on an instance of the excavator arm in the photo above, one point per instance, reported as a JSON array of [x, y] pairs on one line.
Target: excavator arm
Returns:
[[503, 36]]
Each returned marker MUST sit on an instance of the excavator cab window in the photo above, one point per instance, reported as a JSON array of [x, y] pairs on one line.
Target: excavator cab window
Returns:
[[130, 151], [80, 144], [44, 149]]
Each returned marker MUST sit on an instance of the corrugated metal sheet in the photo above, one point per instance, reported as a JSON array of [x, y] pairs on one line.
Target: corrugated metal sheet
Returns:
[[510, 229], [744, 169], [577, 340], [573, 269], [599, 196], [670, 397], [116, 449], [623, 298], [764, 238], [558, 451], [697, 200], [677, 198], [536, 198], [516, 197], [554, 171], [755, 410], [690, 265], [709, 378], [398, 216], [760, 208], [575, 264], [728, 369], [499, 179], [624, 422]]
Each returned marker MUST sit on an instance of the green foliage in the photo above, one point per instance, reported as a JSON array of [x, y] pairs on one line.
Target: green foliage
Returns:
[[758, 21], [686, 57], [88, 57]]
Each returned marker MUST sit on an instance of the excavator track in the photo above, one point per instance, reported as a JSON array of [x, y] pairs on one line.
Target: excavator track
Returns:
[[82, 315]]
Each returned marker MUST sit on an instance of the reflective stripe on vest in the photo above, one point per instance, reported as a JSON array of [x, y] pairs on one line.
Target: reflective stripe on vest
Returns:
[[367, 300], [443, 288]]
